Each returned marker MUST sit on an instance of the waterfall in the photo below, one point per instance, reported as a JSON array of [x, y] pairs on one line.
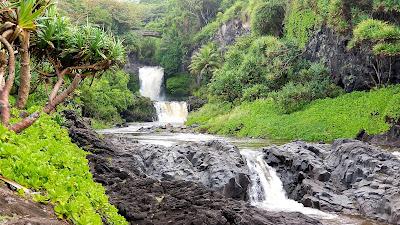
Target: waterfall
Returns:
[[267, 191], [171, 112], [151, 80]]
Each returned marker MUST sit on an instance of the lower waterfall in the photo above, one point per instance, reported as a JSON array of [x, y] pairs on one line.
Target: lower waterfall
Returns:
[[267, 191]]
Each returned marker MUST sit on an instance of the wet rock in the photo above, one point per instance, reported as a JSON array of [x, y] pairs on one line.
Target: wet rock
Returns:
[[169, 128], [348, 176], [126, 175], [194, 103], [215, 164]]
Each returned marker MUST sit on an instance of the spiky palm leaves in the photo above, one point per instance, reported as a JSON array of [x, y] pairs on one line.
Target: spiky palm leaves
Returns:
[[205, 62], [73, 51]]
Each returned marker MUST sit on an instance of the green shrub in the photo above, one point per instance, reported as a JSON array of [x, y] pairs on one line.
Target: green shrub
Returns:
[[107, 97], [292, 97], [337, 16], [133, 83], [43, 158], [387, 5], [302, 19], [141, 109], [384, 37], [267, 18], [180, 85], [255, 92], [264, 60]]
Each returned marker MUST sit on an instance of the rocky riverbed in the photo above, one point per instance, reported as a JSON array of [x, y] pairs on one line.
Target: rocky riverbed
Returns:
[[134, 189], [348, 176], [207, 182]]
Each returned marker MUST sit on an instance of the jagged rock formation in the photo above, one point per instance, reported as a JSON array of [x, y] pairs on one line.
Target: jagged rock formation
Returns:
[[355, 69], [215, 164], [230, 31], [349, 176], [390, 139], [145, 200]]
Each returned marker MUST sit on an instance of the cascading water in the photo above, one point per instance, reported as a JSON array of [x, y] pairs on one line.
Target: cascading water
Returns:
[[151, 80], [267, 191], [171, 112]]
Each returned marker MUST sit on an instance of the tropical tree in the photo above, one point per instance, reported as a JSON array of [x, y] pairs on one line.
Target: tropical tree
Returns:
[[21, 20], [75, 53], [205, 62]]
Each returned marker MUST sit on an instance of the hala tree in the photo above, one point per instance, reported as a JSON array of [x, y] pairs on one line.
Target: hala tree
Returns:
[[75, 53]]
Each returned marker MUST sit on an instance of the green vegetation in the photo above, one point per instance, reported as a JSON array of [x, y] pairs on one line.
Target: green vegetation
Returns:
[[43, 158], [140, 109], [107, 97], [384, 36], [180, 85], [204, 63], [322, 120], [267, 18]]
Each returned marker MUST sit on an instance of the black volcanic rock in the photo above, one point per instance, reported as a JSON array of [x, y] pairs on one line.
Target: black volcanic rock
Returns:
[[349, 176]]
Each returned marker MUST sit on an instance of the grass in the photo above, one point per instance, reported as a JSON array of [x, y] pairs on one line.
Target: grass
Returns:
[[321, 120]]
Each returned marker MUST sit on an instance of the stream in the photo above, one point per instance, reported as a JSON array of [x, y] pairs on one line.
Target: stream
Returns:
[[266, 190]]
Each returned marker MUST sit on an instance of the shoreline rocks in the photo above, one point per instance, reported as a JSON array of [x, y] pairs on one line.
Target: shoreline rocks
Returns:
[[215, 164], [348, 176]]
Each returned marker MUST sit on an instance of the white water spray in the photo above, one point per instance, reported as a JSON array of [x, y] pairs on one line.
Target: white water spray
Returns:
[[171, 112], [267, 190], [151, 80]]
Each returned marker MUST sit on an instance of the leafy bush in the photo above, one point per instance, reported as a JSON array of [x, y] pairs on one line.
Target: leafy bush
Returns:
[[337, 15], [302, 18], [255, 92], [107, 97], [254, 60], [311, 83], [292, 97], [384, 36], [321, 120], [44, 159], [204, 62], [180, 85], [267, 18]]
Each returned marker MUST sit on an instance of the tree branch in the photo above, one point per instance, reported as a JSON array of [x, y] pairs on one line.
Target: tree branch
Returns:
[[28, 121]]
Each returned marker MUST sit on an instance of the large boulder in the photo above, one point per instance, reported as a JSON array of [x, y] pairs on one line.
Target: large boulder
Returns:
[[217, 165], [349, 177]]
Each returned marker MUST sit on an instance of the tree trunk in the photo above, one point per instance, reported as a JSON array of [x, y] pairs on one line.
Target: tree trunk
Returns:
[[3, 64], [25, 82], [4, 94]]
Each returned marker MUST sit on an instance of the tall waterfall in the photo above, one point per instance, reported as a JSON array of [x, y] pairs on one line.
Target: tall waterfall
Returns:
[[151, 80], [267, 191]]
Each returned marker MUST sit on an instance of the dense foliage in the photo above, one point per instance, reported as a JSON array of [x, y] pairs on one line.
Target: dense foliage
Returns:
[[107, 97], [44, 159], [179, 85]]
